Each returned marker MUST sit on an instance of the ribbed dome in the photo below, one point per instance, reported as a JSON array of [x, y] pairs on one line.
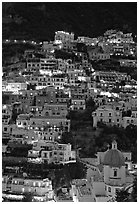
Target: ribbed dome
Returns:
[[114, 158]]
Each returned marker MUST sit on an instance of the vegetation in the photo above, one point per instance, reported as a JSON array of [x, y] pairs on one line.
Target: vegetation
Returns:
[[27, 197], [124, 195]]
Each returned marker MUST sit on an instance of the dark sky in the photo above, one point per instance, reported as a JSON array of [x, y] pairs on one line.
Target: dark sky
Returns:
[[41, 20]]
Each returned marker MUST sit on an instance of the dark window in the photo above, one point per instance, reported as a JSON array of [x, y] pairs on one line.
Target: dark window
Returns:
[[110, 114], [109, 189], [5, 128], [115, 172]]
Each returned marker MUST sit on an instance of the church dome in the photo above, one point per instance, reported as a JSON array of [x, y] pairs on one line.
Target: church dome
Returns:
[[113, 157]]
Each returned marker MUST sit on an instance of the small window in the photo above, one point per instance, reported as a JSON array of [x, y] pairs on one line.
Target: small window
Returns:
[[115, 172], [109, 189], [5, 129], [126, 166], [109, 120], [110, 114]]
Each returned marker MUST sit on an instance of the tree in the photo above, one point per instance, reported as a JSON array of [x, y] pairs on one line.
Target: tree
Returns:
[[28, 197], [122, 196], [67, 137], [134, 191]]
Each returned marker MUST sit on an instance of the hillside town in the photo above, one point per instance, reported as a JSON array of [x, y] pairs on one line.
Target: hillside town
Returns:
[[69, 119]]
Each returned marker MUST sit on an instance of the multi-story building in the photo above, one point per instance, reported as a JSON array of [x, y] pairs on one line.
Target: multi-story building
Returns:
[[79, 92], [24, 135], [62, 97], [52, 152], [107, 114], [13, 86], [82, 191], [98, 54], [132, 120], [40, 188], [64, 36], [128, 63], [110, 77], [78, 104], [23, 121], [59, 81], [47, 65], [33, 65], [55, 110], [87, 40], [46, 97], [58, 121]]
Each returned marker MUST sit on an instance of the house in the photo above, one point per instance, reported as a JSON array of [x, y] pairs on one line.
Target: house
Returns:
[[98, 54], [69, 45], [23, 121], [47, 65], [79, 92], [82, 191], [7, 128], [62, 97], [26, 135], [38, 187], [78, 104], [129, 121], [63, 36], [107, 115], [46, 97], [110, 77], [61, 65], [48, 46], [87, 40], [128, 63], [64, 195], [55, 110], [33, 65], [9, 97], [52, 152], [59, 81], [13, 86], [48, 133], [44, 81], [57, 121]]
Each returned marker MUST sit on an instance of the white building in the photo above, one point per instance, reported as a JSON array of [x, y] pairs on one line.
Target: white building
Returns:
[[64, 36], [13, 86], [50, 151]]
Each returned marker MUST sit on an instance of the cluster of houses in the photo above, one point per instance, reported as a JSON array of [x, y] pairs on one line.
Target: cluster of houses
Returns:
[[110, 172], [39, 92]]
